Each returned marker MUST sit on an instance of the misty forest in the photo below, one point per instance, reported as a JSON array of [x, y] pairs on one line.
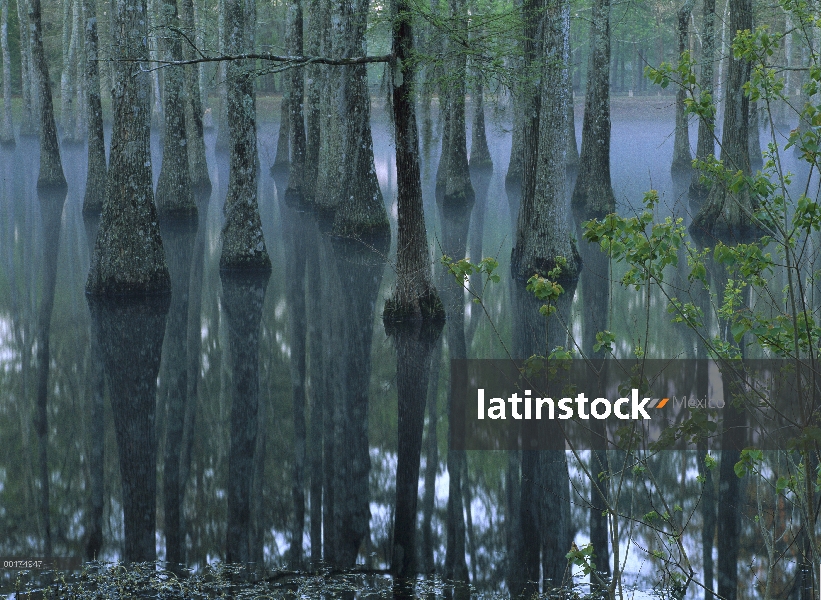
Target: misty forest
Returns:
[[244, 241]]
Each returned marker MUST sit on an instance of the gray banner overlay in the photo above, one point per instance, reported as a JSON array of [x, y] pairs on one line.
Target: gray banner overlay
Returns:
[[649, 404]]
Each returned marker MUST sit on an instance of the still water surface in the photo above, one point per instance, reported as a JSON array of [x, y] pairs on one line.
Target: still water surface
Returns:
[[334, 295]]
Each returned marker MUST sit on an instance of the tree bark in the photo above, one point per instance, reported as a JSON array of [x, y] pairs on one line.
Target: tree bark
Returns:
[[29, 124], [175, 197], [726, 213], [706, 125], [593, 193], [682, 161], [543, 233], [243, 244], [51, 167], [415, 295], [458, 189], [194, 130], [128, 255], [7, 132], [296, 93], [97, 171]]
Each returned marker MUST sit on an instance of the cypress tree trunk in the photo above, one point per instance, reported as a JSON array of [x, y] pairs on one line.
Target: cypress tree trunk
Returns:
[[481, 170], [175, 198], [296, 88], [79, 132], [415, 295], [282, 158], [128, 255], [682, 161], [97, 171], [313, 86], [593, 192], [728, 213], [706, 137], [572, 146], [7, 131], [197, 163], [69, 58], [243, 245], [51, 167], [756, 158], [222, 143], [458, 189], [28, 126], [542, 233]]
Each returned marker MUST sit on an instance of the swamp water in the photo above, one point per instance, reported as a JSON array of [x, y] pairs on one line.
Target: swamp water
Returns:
[[326, 377]]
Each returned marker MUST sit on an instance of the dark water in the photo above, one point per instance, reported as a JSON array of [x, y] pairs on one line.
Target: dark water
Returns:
[[316, 328]]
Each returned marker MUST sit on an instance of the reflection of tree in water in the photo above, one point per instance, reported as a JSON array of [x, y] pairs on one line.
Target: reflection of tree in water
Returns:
[[130, 331], [178, 241], [51, 208], [243, 294], [541, 478], [351, 272], [414, 341], [94, 523]]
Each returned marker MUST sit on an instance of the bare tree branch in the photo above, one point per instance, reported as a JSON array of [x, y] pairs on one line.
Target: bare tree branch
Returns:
[[291, 61]]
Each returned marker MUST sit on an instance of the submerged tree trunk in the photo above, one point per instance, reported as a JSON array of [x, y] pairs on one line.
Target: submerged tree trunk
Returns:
[[7, 131], [682, 161], [243, 245], [175, 198], [415, 295], [543, 234], [51, 167], [727, 212], [197, 164], [706, 136], [128, 256], [593, 193], [97, 172]]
